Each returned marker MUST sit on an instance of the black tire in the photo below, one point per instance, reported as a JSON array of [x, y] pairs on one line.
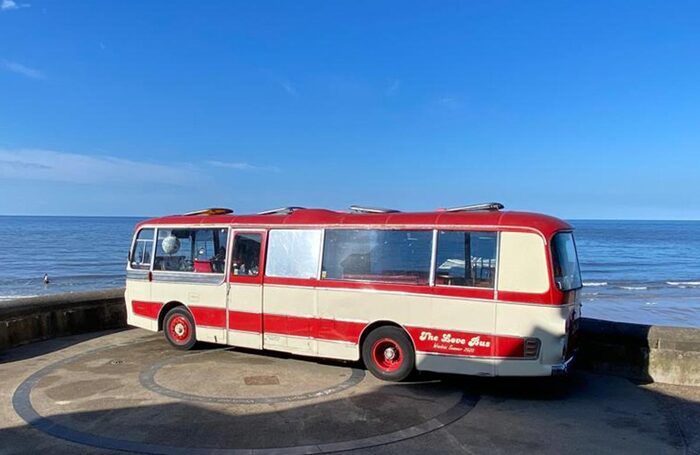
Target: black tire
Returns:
[[179, 329], [388, 353]]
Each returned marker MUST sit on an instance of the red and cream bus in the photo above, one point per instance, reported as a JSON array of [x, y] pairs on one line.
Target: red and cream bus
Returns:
[[470, 290]]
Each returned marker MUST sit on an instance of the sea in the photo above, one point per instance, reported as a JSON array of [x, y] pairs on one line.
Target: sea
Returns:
[[635, 271]]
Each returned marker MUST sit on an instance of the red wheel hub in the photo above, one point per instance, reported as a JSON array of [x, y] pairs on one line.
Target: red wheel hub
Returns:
[[387, 354], [179, 329]]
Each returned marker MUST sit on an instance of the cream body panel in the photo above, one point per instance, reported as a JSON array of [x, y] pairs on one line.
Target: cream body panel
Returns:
[[454, 364], [522, 263], [194, 294], [546, 322], [289, 301], [408, 310], [141, 322], [245, 339], [248, 298], [138, 290], [338, 350]]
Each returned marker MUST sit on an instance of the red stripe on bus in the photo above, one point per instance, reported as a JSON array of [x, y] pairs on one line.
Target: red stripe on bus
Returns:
[[245, 321], [146, 309], [211, 317], [322, 329], [454, 342]]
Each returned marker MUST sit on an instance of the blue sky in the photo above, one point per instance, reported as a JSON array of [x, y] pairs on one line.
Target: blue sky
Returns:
[[577, 109]]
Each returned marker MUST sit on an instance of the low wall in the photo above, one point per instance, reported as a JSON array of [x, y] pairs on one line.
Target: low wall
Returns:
[[645, 353], [640, 352], [40, 318]]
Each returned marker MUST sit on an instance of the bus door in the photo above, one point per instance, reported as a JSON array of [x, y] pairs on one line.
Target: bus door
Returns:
[[245, 277]]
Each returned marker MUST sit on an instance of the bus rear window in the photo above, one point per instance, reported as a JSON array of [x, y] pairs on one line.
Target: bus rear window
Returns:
[[565, 262]]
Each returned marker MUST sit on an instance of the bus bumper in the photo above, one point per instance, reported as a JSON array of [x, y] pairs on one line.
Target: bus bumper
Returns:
[[564, 367]]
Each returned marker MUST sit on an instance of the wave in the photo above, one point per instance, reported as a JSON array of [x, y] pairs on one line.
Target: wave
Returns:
[[683, 283], [634, 288], [593, 284]]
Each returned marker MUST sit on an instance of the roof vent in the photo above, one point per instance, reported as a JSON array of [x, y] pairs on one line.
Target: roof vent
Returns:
[[280, 211], [490, 206], [209, 212], [359, 209]]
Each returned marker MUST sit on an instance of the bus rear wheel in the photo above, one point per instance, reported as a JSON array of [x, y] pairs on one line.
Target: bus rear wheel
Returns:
[[388, 353], [178, 327]]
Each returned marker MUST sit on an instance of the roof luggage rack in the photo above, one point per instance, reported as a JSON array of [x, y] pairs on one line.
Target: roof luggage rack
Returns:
[[490, 206], [280, 211], [360, 209], [210, 211]]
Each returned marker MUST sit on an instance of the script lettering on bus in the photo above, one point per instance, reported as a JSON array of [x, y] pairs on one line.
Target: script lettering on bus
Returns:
[[448, 342]]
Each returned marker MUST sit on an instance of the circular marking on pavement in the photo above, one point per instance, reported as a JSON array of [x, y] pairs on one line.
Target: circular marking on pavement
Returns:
[[22, 404], [148, 381]]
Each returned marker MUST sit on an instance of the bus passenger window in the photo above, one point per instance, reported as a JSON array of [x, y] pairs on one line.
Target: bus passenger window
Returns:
[[383, 255], [246, 255], [191, 250], [141, 255], [453, 250]]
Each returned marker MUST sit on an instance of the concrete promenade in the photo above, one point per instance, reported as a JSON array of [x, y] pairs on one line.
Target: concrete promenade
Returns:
[[129, 391]]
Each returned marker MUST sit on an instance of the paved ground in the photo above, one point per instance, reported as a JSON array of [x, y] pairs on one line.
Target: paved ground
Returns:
[[129, 391]]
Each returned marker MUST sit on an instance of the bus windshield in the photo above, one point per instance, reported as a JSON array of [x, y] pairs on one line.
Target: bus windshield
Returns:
[[565, 262]]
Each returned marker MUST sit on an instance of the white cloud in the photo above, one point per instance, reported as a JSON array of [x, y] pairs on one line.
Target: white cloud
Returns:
[[8, 5], [21, 69], [289, 88], [48, 165], [241, 166], [449, 102], [393, 87]]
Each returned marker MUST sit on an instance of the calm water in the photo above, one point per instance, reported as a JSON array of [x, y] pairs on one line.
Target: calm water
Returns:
[[638, 271]]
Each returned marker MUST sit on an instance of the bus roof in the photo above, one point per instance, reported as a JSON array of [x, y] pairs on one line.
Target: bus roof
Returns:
[[546, 225]]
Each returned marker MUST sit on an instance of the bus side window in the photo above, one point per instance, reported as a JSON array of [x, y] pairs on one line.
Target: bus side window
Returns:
[[246, 255], [191, 250], [141, 255], [466, 259]]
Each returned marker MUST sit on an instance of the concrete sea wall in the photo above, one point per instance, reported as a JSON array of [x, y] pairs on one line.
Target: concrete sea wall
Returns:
[[639, 352], [40, 318]]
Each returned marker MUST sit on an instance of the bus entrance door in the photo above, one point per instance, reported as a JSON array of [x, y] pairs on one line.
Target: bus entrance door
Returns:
[[245, 294]]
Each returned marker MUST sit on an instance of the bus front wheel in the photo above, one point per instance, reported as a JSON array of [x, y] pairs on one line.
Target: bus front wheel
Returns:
[[179, 329], [388, 353]]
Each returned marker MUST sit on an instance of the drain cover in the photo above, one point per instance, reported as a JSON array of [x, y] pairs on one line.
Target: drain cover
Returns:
[[261, 380]]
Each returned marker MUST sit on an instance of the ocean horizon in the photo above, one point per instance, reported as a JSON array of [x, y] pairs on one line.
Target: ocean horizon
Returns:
[[643, 271]]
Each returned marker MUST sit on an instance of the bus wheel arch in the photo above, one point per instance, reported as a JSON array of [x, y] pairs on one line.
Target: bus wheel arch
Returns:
[[165, 309], [178, 326], [387, 351]]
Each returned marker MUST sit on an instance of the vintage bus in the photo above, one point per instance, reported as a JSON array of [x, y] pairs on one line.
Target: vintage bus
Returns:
[[470, 290]]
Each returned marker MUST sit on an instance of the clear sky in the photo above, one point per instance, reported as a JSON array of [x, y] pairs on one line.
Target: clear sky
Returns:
[[586, 109]]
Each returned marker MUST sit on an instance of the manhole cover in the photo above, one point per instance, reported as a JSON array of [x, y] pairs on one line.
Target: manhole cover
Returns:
[[261, 380]]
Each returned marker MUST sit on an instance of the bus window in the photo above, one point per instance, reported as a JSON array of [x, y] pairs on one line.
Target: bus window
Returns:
[[394, 256], [567, 275], [293, 253], [246, 254], [141, 256], [191, 250], [455, 248]]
